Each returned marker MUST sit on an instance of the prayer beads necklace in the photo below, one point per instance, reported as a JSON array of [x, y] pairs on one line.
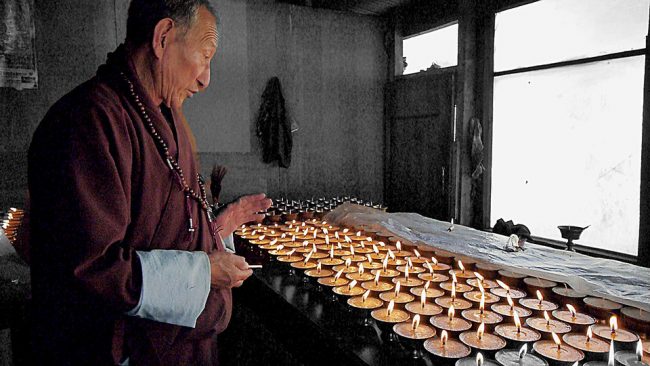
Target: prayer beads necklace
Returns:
[[173, 165]]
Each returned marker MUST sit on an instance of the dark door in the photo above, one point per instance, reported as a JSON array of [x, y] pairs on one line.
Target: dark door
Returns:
[[420, 117]]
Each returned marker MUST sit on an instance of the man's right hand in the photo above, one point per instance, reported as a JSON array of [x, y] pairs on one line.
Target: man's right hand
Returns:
[[228, 270]]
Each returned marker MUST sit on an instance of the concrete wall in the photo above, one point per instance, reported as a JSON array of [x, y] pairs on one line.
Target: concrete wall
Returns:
[[331, 65]]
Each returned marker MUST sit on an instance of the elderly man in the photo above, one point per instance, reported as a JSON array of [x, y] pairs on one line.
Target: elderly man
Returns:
[[128, 265]]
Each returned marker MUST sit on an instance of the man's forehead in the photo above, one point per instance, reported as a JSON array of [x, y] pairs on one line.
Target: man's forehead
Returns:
[[205, 26]]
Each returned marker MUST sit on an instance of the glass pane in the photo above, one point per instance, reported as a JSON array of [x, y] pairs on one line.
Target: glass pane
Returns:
[[438, 48], [567, 151], [550, 31]]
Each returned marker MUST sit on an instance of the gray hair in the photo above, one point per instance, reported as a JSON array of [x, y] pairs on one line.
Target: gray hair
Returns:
[[145, 14]]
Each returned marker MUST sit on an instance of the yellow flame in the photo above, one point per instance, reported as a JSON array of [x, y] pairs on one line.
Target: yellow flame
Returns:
[[460, 265], [391, 305], [385, 263], [451, 312], [409, 262], [426, 285], [416, 322], [369, 258], [539, 296], [430, 267], [358, 233], [352, 250], [336, 234], [406, 273], [523, 350], [479, 359], [548, 319], [308, 256], [325, 232], [503, 285], [318, 267], [443, 338], [589, 334], [332, 252], [397, 288], [293, 238], [365, 296], [398, 245], [273, 241], [423, 298], [556, 339], [480, 331], [517, 322], [361, 269], [481, 289], [352, 284], [279, 248], [417, 254], [262, 237], [377, 278], [327, 240], [375, 249], [434, 261], [338, 275], [348, 262], [453, 291], [479, 277], [481, 305], [613, 324], [510, 302], [254, 232], [391, 254], [453, 278], [572, 310]]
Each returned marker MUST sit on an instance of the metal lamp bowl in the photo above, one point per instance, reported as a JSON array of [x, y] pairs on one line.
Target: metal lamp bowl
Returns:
[[571, 232]]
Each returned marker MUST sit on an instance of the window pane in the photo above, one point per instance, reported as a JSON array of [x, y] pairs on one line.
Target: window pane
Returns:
[[550, 31], [439, 47], [567, 151]]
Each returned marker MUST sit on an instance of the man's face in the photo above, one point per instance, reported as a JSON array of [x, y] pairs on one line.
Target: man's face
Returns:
[[185, 66]]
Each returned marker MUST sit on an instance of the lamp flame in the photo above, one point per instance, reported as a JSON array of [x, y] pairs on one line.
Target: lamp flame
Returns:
[[557, 341], [358, 233], [480, 331], [262, 237], [375, 249], [385, 264], [548, 319], [416, 322], [338, 275], [480, 288], [427, 284], [460, 266], [365, 296], [517, 322], [318, 267], [377, 278], [510, 302], [639, 350], [430, 267], [453, 278], [332, 252], [423, 298], [504, 286], [417, 254], [539, 297], [352, 284], [613, 325], [409, 262], [406, 273], [336, 234], [572, 310], [369, 258], [479, 277], [589, 334], [391, 305], [352, 251], [391, 254], [398, 245], [453, 292], [451, 312], [327, 240], [279, 248], [305, 243], [361, 268], [443, 338], [434, 261], [397, 288], [523, 350], [291, 252], [481, 305], [308, 256], [348, 262], [479, 359]]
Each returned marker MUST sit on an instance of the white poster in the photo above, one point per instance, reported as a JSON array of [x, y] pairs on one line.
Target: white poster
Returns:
[[17, 45]]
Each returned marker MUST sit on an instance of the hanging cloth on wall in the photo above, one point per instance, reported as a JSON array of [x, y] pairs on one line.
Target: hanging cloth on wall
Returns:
[[273, 127]]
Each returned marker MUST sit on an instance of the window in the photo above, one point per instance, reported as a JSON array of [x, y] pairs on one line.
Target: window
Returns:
[[435, 49], [567, 137]]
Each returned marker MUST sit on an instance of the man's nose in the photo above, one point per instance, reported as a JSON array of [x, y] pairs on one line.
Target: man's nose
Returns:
[[204, 78]]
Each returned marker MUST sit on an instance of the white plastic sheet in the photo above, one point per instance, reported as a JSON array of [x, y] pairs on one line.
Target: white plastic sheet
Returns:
[[617, 281]]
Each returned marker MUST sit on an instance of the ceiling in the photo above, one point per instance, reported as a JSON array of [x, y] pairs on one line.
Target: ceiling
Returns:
[[365, 7]]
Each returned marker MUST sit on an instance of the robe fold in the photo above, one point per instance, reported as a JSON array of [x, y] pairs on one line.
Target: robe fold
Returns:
[[100, 191]]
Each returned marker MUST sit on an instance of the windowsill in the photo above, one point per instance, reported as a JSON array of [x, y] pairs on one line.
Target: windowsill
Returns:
[[427, 72]]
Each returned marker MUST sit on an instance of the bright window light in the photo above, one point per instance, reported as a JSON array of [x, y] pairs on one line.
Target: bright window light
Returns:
[[437, 48]]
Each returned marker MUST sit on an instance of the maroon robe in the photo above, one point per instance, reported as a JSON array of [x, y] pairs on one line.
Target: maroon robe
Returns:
[[100, 190]]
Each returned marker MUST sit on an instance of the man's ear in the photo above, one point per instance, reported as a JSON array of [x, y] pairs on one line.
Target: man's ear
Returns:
[[161, 36]]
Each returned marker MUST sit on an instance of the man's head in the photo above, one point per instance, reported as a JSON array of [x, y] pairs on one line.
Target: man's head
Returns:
[[179, 38]]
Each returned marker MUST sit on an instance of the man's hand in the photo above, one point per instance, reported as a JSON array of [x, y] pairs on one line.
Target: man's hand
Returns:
[[244, 210], [228, 270]]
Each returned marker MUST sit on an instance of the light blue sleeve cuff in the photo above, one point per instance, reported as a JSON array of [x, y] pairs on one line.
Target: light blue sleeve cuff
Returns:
[[175, 286], [229, 243]]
